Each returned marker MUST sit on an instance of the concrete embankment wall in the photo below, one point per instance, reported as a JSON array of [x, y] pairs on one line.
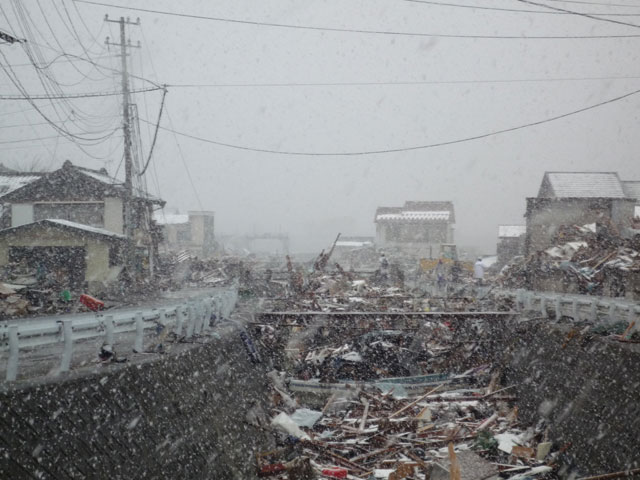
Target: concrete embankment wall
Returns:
[[192, 415], [587, 390]]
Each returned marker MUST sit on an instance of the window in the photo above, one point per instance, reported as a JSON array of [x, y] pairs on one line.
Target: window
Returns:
[[85, 213]]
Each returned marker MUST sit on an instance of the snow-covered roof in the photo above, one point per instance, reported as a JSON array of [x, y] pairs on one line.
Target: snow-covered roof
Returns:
[[11, 182], [67, 224], [352, 243], [440, 215], [417, 211], [103, 177], [162, 218], [581, 185], [86, 228], [511, 231]]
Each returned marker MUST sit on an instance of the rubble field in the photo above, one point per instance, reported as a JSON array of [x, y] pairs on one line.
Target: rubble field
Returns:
[[375, 382]]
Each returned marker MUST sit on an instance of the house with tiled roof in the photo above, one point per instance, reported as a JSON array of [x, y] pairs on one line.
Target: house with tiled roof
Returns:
[[418, 227], [71, 222], [576, 198]]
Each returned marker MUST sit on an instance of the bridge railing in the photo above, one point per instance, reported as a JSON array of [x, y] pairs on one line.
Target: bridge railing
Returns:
[[185, 319], [579, 307]]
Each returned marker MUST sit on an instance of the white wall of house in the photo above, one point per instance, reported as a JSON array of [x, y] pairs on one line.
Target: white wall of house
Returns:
[[21, 214], [113, 215]]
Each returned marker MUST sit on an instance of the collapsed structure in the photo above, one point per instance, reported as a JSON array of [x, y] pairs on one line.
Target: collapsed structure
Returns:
[[577, 198]]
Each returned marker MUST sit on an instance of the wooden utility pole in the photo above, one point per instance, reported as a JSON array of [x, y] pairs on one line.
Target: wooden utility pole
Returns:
[[126, 127]]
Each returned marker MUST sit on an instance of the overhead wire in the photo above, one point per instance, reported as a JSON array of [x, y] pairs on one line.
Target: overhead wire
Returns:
[[513, 10], [86, 136], [398, 83], [349, 30], [583, 2], [154, 170], [155, 134], [48, 81], [175, 137], [74, 95], [586, 15], [405, 149]]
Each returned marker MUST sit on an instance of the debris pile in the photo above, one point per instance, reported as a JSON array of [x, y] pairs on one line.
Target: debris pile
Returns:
[[588, 259], [382, 435], [21, 300]]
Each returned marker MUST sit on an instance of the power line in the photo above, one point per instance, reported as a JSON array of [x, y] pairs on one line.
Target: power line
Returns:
[[74, 95], [515, 10], [400, 83], [404, 149], [52, 87], [348, 30], [586, 15], [596, 3], [99, 65], [155, 134], [26, 124]]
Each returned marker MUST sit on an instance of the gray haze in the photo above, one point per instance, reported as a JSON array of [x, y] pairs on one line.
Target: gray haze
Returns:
[[313, 198]]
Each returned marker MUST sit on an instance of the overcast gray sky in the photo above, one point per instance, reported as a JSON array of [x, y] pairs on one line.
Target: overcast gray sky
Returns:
[[313, 198]]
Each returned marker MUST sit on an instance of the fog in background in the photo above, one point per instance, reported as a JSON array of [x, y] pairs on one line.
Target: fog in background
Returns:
[[315, 197]]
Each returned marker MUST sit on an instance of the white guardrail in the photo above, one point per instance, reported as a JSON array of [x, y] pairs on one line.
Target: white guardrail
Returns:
[[578, 307], [188, 318]]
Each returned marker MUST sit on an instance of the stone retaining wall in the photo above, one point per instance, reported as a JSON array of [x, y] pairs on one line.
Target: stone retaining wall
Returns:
[[586, 388], [191, 415]]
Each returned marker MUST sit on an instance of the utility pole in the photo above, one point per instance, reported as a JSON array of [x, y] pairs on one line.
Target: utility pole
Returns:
[[126, 127]]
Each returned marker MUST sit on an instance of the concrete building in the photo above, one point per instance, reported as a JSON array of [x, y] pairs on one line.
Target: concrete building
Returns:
[[193, 232], [576, 198], [510, 243], [632, 190], [71, 212], [417, 228]]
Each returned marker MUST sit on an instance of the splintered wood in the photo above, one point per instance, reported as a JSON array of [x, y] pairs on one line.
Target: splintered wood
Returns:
[[436, 435]]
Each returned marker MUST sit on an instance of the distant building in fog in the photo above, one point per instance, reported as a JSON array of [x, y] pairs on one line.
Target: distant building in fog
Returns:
[[510, 242], [576, 198], [193, 232], [417, 228]]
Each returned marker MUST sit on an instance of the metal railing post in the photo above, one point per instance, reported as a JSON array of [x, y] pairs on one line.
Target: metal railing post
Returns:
[[623, 308], [138, 346], [206, 305], [558, 306], [191, 320], [543, 306], [67, 329], [519, 299], [576, 310], [199, 317], [179, 319], [14, 347], [108, 326], [162, 317], [593, 310], [528, 300]]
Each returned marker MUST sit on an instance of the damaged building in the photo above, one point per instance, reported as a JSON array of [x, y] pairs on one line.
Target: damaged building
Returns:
[[417, 228], [576, 198], [68, 226]]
